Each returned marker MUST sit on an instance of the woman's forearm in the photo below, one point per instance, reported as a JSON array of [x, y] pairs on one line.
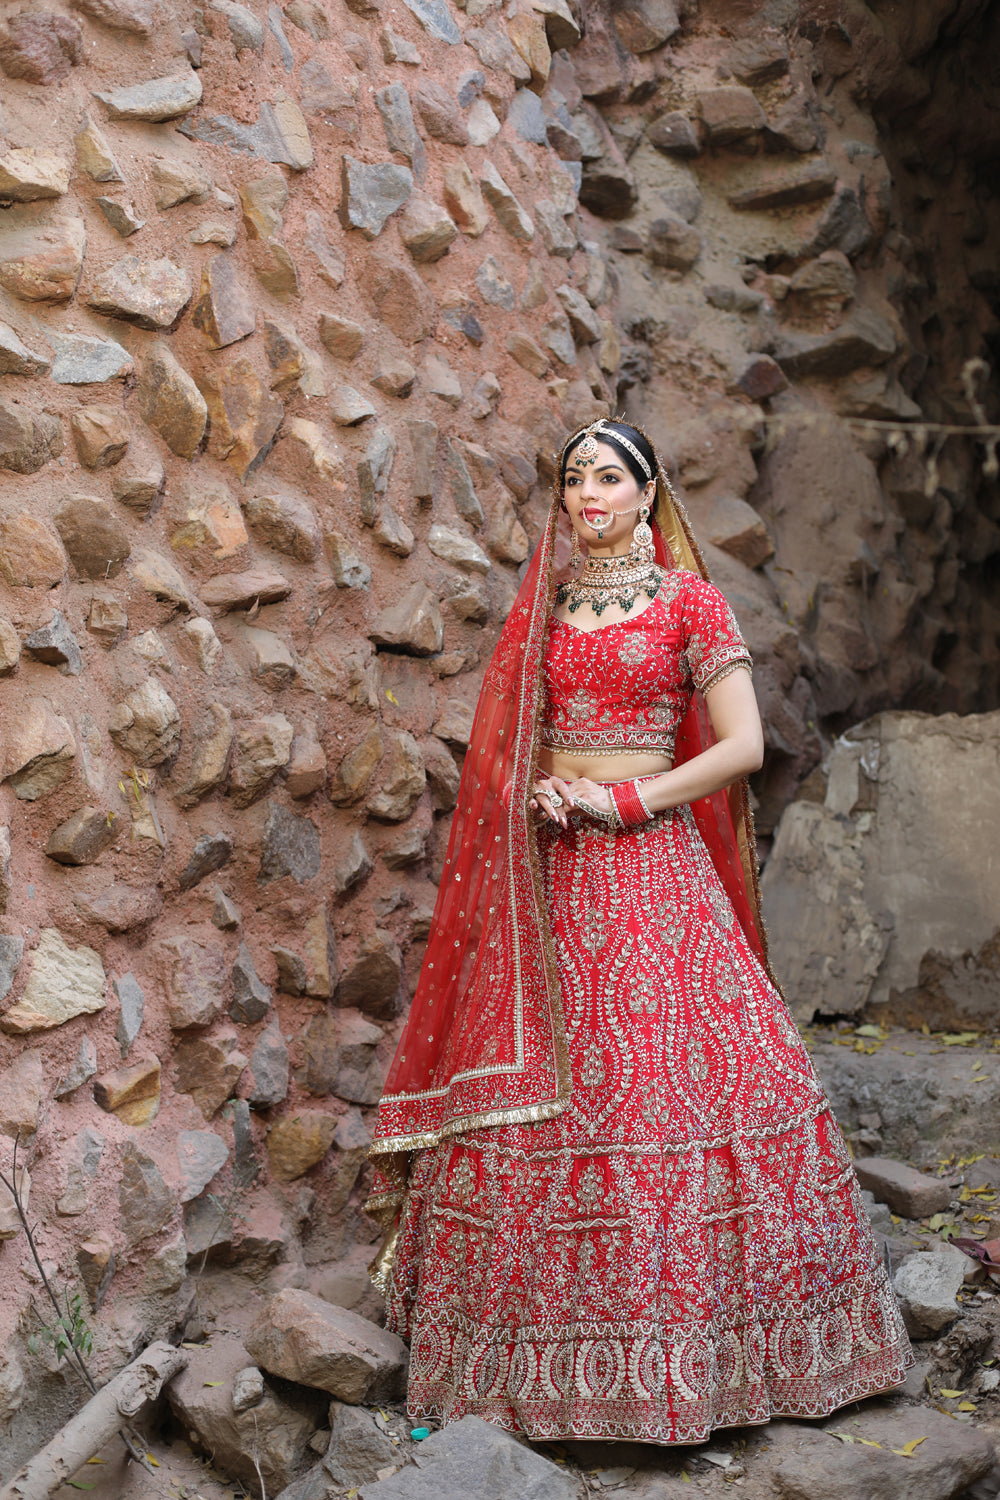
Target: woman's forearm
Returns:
[[708, 772]]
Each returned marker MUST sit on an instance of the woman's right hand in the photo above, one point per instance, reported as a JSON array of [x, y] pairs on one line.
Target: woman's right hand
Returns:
[[548, 788]]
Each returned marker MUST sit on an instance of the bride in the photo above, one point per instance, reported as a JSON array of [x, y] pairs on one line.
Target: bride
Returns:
[[616, 1201]]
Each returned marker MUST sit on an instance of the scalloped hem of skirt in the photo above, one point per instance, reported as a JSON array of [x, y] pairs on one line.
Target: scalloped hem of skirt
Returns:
[[510, 1419]]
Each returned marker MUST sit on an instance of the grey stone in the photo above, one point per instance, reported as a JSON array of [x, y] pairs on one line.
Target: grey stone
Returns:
[[463, 551], [526, 115], [16, 358], [413, 626], [159, 99], [211, 852], [149, 293], [81, 360], [121, 216], [64, 982], [558, 237], [244, 28], [864, 338], [145, 1202], [584, 321], [436, 19], [225, 912], [278, 135], [674, 135], [349, 407], [201, 1154], [300, 1337], [357, 1449], [909, 1193], [83, 1159], [194, 980], [208, 1227], [278, 32], [290, 846], [423, 443], [354, 866], [843, 225], [473, 1457], [131, 1003], [11, 954], [56, 645], [371, 193], [393, 103], [504, 204], [348, 568], [927, 1285], [460, 485], [147, 723], [248, 1388], [673, 243], [786, 187], [251, 996], [268, 1068], [275, 1429], [493, 285], [557, 335], [371, 983], [943, 1466], [84, 1064]]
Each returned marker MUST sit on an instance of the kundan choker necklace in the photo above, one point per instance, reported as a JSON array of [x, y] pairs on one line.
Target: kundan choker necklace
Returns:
[[610, 580]]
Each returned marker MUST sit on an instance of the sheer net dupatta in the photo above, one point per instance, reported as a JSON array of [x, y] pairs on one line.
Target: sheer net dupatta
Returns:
[[484, 1042], [724, 819]]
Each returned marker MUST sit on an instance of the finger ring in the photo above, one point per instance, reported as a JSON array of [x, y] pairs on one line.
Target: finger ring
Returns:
[[554, 799]]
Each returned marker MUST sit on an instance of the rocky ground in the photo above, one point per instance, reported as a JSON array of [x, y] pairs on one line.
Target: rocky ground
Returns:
[[288, 1395]]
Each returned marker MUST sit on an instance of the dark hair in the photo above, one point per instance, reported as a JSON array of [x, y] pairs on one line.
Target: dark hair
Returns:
[[607, 435]]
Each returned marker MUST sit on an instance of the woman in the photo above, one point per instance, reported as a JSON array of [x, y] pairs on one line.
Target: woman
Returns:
[[617, 1202]]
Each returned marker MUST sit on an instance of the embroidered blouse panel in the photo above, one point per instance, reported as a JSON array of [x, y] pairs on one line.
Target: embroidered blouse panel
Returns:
[[625, 687]]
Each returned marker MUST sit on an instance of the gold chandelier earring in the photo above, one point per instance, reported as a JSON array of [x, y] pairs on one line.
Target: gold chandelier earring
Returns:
[[575, 554], [642, 550]]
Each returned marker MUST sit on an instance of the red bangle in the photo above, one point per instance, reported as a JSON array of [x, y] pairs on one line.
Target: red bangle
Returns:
[[629, 804]]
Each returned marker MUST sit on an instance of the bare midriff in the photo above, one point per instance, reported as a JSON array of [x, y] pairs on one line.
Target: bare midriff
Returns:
[[600, 767]]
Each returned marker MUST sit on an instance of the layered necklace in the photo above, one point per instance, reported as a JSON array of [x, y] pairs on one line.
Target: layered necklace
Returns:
[[610, 580]]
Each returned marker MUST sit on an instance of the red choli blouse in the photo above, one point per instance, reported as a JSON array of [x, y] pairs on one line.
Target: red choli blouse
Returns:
[[625, 687]]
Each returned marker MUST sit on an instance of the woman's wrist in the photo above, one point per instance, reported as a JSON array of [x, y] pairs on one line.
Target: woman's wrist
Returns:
[[630, 804]]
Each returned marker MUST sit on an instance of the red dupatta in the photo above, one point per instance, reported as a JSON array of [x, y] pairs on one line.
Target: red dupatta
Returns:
[[484, 1043]]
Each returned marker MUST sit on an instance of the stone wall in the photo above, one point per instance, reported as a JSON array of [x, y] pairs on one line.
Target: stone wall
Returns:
[[297, 301]]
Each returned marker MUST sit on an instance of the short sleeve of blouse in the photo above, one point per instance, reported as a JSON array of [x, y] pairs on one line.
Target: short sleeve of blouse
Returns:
[[712, 640]]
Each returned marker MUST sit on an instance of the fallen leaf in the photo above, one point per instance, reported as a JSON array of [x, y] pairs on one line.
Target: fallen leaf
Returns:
[[391, 696], [950, 1394], [907, 1449], [154, 1461], [213, 1382], [967, 1406], [78, 1484]]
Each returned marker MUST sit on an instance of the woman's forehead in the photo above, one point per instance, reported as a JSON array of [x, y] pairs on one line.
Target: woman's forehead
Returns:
[[606, 455]]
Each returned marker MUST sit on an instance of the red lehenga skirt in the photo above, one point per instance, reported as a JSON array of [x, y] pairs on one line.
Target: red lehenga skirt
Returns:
[[685, 1247]]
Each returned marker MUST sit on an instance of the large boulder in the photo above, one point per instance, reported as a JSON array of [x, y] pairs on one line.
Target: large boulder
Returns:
[[302, 1338], [885, 894]]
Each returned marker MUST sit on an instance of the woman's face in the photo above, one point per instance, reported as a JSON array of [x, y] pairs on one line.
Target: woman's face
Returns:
[[603, 497]]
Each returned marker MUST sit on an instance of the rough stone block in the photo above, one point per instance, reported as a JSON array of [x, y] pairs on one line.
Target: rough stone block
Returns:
[[302, 1338], [912, 1194]]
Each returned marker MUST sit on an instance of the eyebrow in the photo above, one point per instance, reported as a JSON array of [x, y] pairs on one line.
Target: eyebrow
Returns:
[[618, 468]]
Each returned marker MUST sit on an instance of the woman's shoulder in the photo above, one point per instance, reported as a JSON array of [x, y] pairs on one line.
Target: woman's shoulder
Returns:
[[690, 590]]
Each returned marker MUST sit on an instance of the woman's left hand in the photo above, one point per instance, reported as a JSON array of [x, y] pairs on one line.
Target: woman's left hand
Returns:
[[584, 791]]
